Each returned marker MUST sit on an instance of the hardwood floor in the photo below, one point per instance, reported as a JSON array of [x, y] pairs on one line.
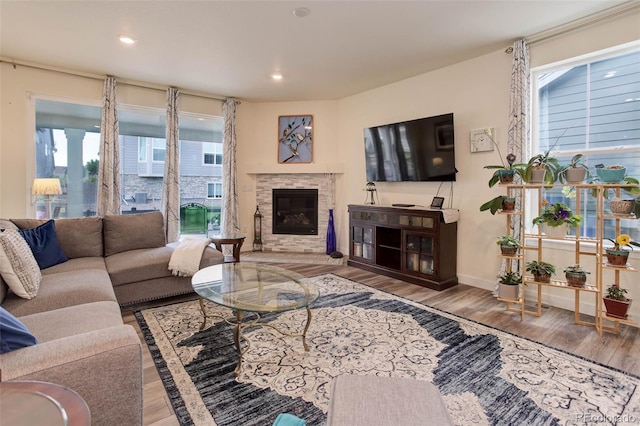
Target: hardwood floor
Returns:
[[554, 328]]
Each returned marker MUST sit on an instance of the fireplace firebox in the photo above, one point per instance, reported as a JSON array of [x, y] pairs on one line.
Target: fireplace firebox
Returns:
[[295, 211]]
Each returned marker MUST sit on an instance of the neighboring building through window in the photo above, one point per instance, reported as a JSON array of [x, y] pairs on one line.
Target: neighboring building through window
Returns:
[[67, 141], [590, 106], [212, 153], [214, 190]]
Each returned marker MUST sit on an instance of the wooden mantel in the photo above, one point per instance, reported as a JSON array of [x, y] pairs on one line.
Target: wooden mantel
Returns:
[[259, 169]]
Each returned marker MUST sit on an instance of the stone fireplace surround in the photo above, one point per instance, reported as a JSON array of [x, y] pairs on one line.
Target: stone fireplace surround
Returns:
[[323, 182]]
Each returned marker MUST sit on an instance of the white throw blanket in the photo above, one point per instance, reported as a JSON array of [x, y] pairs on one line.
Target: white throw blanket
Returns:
[[185, 259]]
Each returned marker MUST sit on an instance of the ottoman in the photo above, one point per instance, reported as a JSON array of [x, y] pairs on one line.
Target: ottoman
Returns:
[[381, 401]]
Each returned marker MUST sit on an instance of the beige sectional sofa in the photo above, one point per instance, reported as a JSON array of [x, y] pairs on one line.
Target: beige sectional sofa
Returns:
[[82, 341]]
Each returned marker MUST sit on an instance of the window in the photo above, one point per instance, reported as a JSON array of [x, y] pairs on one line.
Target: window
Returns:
[[590, 106], [142, 150], [159, 148], [67, 142], [200, 148], [212, 153], [214, 190]]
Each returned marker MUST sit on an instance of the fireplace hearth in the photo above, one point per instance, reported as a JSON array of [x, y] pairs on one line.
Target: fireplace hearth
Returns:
[[295, 211]]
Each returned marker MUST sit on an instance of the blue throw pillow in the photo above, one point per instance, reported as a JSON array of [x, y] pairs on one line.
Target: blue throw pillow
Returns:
[[44, 244], [13, 334]]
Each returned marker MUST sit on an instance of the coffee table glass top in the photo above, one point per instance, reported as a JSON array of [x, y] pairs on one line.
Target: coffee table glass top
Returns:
[[255, 287]]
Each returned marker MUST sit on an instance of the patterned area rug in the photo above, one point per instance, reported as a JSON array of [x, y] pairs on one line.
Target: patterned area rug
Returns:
[[290, 257], [485, 376]]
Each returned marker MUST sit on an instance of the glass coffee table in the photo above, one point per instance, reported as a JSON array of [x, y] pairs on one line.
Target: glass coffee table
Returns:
[[253, 289]]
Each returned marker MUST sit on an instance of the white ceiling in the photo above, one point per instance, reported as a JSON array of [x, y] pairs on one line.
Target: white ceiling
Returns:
[[230, 48]]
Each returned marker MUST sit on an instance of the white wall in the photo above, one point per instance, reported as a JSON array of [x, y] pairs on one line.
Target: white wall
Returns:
[[477, 92]]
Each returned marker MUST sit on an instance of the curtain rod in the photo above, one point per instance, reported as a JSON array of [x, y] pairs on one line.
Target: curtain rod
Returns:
[[577, 24], [122, 82]]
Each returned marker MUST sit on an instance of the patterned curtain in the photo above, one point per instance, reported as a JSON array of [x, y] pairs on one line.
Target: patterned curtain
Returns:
[[518, 133], [171, 183], [109, 165], [230, 219]]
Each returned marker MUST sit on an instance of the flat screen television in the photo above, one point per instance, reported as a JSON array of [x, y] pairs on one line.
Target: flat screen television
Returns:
[[417, 150]]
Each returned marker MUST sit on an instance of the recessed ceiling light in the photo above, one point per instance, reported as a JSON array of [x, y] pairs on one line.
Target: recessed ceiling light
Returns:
[[301, 12], [276, 76], [126, 39]]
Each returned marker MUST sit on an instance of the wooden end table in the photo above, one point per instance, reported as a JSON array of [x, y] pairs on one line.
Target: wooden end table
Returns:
[[41, 403], [235, 240]]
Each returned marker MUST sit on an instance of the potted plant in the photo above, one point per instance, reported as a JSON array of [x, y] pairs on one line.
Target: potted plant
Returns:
[[542, 168], [504, 173], [556, 219], [574, 172], [541, 271], [616, 302], [628, 184], [508, 245], [610, 174], [501, 202], [617, 255], [576, 276], [509, 285], [621, 207]]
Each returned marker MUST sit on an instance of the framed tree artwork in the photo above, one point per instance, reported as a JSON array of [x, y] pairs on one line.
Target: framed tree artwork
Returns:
[[295, 139]]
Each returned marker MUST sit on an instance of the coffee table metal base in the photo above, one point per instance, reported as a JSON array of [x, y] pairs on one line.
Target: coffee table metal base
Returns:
[[239, 326]]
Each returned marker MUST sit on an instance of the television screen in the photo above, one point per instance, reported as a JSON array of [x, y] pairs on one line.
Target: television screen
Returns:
[[417, 150]]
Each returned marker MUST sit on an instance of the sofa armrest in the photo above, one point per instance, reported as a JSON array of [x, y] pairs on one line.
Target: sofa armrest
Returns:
[[104, 367]]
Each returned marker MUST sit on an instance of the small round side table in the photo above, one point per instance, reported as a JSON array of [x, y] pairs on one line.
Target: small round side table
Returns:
[[41, 403]]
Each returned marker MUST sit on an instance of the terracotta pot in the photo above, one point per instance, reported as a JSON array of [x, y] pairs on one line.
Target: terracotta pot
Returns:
[[617, 308], [542, 278], [575, 175], [506, 176], [617, 257], [576, 279]]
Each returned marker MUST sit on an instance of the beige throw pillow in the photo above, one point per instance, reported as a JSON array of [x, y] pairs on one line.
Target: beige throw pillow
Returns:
[[18, 267]]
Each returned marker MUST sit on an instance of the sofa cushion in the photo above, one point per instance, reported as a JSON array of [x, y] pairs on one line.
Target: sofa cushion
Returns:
[[44, 244], [139, 265], [76, 264], [78, 237], [18, 267], [133, 231], [64, 289], [73, 320], [13, 333]]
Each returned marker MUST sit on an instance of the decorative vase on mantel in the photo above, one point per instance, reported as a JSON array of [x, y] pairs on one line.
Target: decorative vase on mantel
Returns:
[[331, 234]]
